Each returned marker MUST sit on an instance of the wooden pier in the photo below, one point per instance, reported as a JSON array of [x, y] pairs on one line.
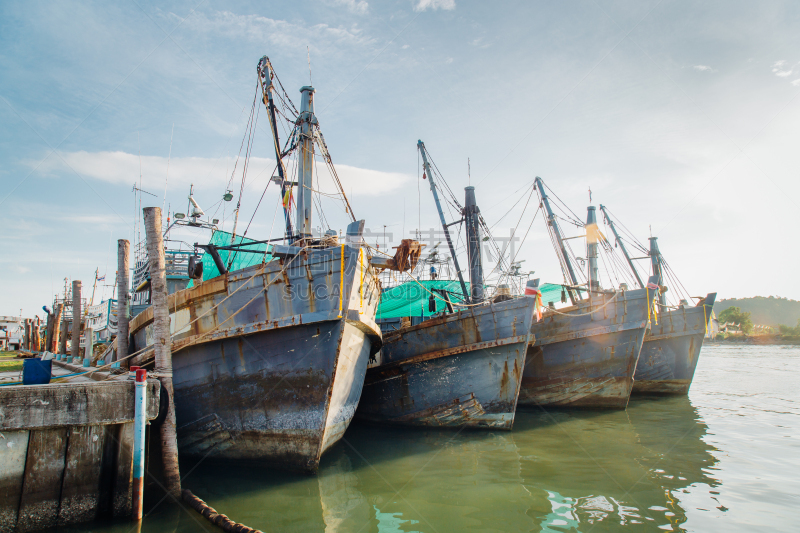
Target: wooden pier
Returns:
[[66, 449]]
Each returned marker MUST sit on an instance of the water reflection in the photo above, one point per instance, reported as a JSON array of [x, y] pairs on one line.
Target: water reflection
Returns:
[[617, 468], [557, 471]]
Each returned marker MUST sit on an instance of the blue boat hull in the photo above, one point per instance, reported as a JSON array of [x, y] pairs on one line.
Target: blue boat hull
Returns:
[[274, 374], [463, 369], [587, 357], [671, 350]]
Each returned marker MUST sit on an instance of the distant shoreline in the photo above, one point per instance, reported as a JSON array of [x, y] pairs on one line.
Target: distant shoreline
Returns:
[[761, 340]]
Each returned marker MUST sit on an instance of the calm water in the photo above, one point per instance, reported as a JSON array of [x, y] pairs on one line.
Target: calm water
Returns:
[[727, 458]]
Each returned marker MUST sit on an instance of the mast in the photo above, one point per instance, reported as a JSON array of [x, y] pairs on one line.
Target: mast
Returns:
[[591, 249], [622, 245], [265, 78], [96, 272], [472, 218], [305, 165], [562, 250], [655, 261], [427, 168]]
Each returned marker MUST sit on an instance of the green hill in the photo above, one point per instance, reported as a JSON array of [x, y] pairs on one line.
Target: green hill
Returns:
[[764, 310]]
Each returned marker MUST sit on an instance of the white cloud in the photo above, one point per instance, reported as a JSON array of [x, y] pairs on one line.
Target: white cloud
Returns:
[[796, 82], [355, 6], [122, 168], [703, 68], [404, 46], [448, 60], [278, 33], [778, 68], [424, 5]]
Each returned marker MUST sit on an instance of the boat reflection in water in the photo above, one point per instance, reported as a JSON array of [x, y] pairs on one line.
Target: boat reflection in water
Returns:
[[621, 469], [560, 471]]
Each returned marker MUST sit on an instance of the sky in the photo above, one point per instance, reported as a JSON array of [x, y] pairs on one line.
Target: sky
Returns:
[[681, 117]]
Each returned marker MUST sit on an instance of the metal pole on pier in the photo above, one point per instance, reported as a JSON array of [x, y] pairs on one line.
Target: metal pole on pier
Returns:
[[139, 421], [75, 350], [123, 299], [622, 245], [162, 345]]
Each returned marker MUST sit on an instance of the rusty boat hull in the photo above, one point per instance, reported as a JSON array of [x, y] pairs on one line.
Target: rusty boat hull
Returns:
[[671, 350], [459, 370], [585, 356], [274, 371]]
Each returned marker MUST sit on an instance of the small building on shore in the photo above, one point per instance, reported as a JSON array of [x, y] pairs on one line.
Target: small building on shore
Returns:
[[12, 333]]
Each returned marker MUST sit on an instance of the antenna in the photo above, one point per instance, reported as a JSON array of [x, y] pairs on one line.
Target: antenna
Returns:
[[169, 158], [469, 173], [308, 51], [590, 195]]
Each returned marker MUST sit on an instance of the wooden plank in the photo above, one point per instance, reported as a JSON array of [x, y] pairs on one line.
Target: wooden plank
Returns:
[[80, 489], [123, 475], [13, 451], [41, 488], [72, 404]]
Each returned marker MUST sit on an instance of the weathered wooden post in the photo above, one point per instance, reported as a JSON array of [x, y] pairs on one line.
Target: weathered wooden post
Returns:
[[36, 336], [123, 299], [162, 345], [76, 321], [88, 334], [62, 342], [48, 337], [26, 341], [53, 344]]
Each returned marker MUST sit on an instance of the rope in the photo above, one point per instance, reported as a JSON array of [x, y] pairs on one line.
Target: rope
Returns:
[[211, 514]]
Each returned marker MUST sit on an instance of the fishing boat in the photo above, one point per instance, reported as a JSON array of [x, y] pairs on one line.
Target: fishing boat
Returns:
[[462, 367], [672, 346], [269, 360], [584, 355]]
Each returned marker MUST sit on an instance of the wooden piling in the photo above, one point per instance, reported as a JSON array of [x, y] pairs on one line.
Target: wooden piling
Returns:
[[76, 320], [88, 334], [162, 346], [48, 336], [62, 340], [123, 299], [26, 342], [53, 344], [36, 336]]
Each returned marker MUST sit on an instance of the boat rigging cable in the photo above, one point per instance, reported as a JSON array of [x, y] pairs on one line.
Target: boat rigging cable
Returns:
[[680, 289], [247, 136], [453, 202]]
